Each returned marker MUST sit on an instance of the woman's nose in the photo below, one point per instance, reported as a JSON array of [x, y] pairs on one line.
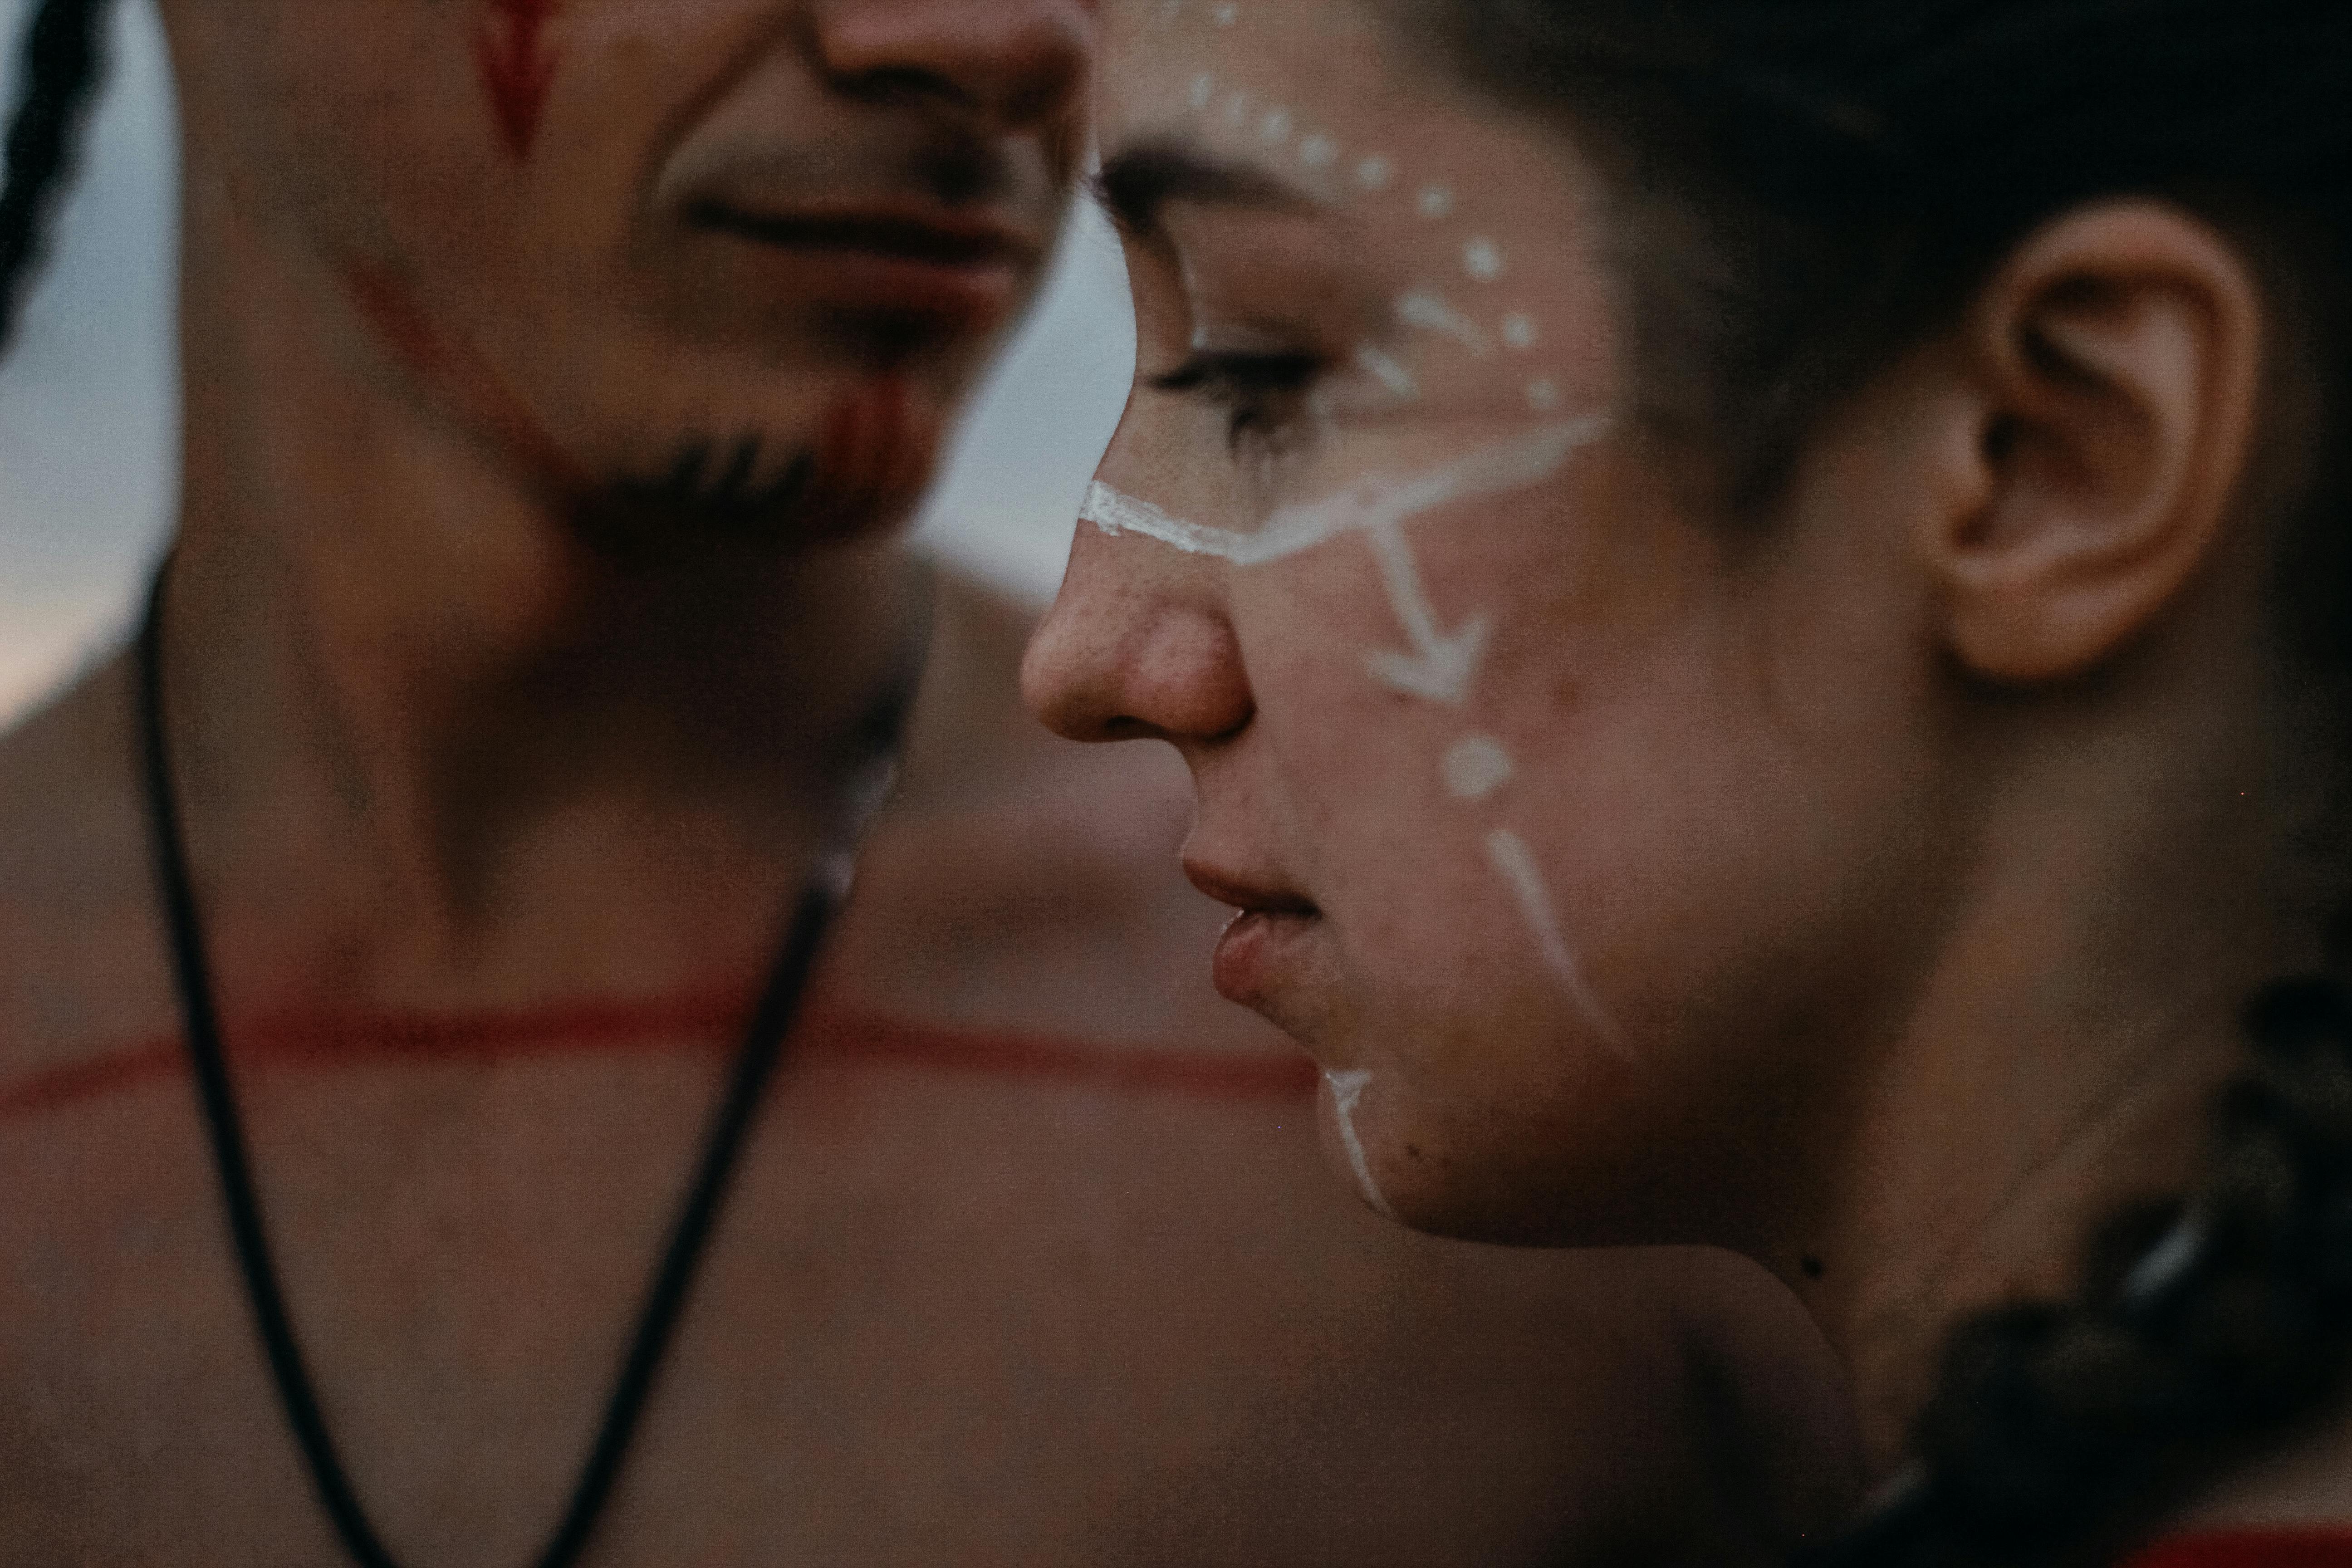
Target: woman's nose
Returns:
[[1137, 646]]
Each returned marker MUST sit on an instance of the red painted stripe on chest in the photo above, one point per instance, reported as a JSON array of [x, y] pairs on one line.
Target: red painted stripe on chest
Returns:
[[702, 1024], [518, 68]]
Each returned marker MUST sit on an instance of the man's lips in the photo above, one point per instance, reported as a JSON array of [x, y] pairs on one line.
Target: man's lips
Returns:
[[927, 260], [941, 236]]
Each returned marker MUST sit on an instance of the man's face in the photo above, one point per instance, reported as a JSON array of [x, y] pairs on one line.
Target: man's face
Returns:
[[736, 255]]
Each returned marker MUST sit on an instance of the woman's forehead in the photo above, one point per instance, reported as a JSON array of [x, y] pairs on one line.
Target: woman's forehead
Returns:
[[1472, 216]]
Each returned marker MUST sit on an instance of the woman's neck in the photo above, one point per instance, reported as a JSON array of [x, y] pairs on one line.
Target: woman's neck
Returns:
[[2057, 1060]]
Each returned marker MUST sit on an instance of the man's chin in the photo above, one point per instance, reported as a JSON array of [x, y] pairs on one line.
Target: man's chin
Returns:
[[859, 475]]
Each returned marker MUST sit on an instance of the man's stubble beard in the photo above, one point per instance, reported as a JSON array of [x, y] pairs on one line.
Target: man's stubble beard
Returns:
[[749, 493]]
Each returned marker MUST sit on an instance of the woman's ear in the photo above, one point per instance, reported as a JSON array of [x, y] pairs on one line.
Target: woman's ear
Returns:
[[2117, 363]]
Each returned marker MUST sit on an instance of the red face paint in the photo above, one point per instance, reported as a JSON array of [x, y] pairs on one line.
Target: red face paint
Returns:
[[874, 453], [518, 66]]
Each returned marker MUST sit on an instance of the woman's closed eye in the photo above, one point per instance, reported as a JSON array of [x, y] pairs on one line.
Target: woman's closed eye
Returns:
[[1263, 395]]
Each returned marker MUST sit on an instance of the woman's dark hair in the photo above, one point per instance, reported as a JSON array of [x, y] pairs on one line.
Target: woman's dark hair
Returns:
[[1803, 189], [61, 61]]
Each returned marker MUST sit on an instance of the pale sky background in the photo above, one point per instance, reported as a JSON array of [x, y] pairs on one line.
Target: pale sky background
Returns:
[[88, 442]]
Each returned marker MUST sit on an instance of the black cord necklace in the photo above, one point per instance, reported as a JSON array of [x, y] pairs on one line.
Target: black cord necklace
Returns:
[[755, 1060]]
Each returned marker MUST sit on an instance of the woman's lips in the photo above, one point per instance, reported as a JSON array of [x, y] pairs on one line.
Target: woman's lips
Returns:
[[1258, 949], [1264, 943], [967, 272]]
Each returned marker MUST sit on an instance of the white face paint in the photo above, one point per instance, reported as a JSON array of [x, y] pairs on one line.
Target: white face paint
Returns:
[[1477, 766], [1431, 312], [1517, 864], [1386, 370], [1115, 514], [1440, 664], [1375, 502], [1451, 322], [1347, 1088]]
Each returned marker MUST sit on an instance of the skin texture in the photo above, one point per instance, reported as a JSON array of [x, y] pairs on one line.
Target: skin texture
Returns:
[[1916, 844], [535, 558]]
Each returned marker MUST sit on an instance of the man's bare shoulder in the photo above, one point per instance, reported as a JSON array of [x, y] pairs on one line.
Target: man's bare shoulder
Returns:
[[79, 963]]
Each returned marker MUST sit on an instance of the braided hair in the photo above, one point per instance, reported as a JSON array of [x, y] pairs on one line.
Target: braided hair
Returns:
[[62, 59], [1809, 187]]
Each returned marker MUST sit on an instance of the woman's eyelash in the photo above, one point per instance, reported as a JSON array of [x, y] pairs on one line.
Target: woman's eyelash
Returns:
[[1259, 391], [1237, 371]]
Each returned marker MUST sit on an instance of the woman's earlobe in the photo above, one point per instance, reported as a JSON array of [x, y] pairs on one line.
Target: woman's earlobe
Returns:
[[2118, 359]]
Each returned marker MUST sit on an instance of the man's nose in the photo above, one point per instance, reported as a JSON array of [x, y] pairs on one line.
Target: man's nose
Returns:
[[1020, 63], [1137, 646]]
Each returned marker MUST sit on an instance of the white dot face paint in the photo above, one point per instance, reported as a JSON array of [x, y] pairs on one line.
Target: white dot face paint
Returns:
[[1482, 259], [1275, 126], [1518, 332], [1434, 201], [1204, 88], [1226, 16], [1477, 766], [1374, 172], [1542, 395], [1347, 1089], [1318, 152]]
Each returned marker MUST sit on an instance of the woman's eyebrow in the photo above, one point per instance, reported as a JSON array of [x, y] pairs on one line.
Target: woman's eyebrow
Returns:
[[1138, 180]]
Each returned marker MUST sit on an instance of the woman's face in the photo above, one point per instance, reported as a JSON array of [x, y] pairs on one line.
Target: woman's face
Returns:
[[1558, 818]]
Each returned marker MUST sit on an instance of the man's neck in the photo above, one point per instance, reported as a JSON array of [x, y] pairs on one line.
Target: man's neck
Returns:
[[434, 735]]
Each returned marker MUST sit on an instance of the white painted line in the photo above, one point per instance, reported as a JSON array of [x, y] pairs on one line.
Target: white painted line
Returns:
[[1516, 863], [1380, 498], [1431, 313], [1347, 1088], [1387, 372], [1373, 503], [1115, 514]]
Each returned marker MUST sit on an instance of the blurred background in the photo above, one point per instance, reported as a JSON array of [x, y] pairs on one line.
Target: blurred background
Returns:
[[88, 437]]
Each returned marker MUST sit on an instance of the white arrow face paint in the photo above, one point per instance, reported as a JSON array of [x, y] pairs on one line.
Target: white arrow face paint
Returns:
[[1347, 1088], [1442, 663]]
